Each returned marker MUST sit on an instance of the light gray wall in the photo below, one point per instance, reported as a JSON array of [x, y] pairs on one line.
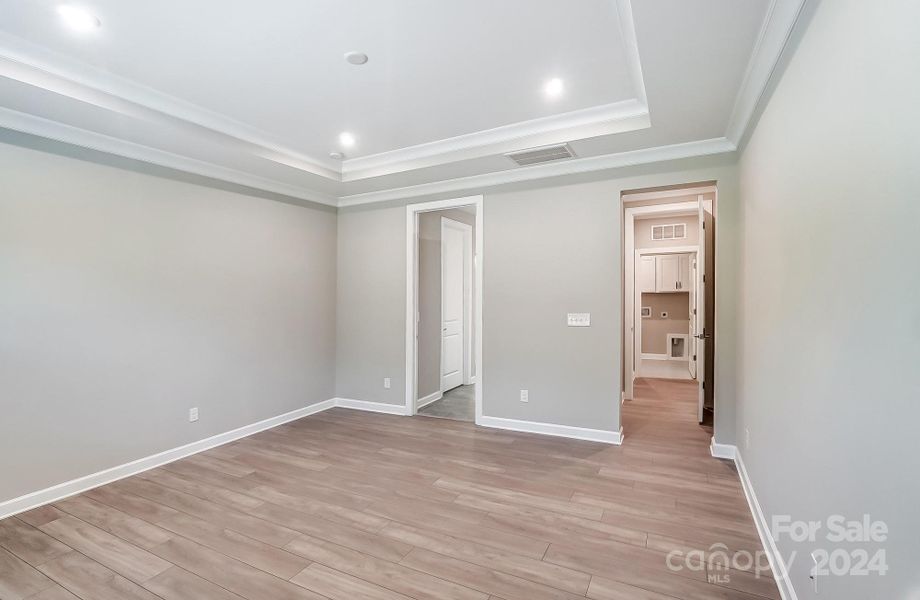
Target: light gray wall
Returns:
[[126, 299], [429, 296], [831, 290], [371, 305], [549, 248]]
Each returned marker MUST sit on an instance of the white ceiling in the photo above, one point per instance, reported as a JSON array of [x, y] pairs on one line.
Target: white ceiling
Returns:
[[257, 93]]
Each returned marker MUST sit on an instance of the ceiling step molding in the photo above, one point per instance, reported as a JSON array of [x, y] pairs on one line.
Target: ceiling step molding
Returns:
[[568, 167], [53, 130]]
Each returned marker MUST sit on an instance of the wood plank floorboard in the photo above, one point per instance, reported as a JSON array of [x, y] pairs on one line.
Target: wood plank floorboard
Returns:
[[347, 505]]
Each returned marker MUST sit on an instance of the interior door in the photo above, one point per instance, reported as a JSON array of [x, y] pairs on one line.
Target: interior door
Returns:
[[452, 309], [705, 305]]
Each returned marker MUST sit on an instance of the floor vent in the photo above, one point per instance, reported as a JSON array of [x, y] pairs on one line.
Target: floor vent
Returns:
[[535, 156]]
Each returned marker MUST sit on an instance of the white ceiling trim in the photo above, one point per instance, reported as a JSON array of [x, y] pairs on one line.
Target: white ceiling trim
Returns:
[[618, 117], [631, 47], [38, 67], [567, 167], [42, 68], [782, 15], [54, 130]]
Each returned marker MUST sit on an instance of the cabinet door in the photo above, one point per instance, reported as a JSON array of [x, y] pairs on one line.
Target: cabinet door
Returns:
[[645, 274], [667, 273], [683, 279]]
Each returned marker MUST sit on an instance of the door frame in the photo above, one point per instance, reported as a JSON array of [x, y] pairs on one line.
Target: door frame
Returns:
[[466, 369], [630, 297], [412, 214], [637, 295]]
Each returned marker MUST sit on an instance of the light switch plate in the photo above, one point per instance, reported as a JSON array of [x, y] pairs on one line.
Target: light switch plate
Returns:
[[192, 414], [579, 320]]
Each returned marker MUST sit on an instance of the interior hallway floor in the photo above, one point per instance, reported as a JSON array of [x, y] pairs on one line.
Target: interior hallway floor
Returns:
[[458, 404], [347, 504]]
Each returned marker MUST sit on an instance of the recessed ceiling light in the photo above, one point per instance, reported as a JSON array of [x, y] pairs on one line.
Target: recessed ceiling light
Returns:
[[356, 58], [346, 139], [337, 155], [79, 19], [554, 87]]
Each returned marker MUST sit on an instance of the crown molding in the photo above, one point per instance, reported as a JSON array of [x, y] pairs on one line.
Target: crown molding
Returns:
[[606, 119], [557, 169], [34, 65], [781, 18], [54, 130]]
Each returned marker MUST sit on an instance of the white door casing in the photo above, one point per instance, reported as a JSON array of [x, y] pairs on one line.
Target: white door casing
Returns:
[[456, 288], [700, 320]]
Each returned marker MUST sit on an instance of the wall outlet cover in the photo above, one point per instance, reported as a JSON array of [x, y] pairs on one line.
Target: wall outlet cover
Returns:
[[525, 396], [386, 382], [192, 415], [578, 319]]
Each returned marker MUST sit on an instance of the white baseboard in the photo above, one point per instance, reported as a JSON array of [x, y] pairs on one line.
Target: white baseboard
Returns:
[[786, 591], [579, 433], [378, 407], [429, 399], [722, 450], [88, 482]]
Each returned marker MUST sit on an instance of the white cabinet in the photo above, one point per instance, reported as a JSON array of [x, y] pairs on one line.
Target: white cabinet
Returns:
[[645, 274], [664, 273], [667, 273], [683, 273]]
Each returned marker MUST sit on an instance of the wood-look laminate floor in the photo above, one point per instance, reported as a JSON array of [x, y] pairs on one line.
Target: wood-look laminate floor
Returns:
[[347, 505]]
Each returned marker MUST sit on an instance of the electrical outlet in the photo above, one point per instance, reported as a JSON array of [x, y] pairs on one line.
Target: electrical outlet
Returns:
[[192, 414], [747, 438], [525, 396], [386, 383]]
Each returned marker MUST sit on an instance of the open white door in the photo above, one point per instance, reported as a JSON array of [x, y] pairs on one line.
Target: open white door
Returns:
[[456, 243], [699, 320]]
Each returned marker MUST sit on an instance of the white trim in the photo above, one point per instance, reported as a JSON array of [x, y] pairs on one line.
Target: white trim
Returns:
[[683, 192], [31, 64], [653, 356], [727, 451], [605, 119], [412, 212], [782, 15], [53, 130], [425, 401], [668, 250], [554, 169], [87, 482], [366, 405], [631, 48], [783, 582], [578, 433]]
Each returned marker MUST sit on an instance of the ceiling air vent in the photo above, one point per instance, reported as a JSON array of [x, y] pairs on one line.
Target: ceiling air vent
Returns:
[[535, 156]]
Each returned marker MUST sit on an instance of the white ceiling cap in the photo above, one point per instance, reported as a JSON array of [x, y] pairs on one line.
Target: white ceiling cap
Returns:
[[79, 19], [356, 58]]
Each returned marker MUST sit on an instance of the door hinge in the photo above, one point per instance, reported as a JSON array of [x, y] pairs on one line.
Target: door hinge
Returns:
[[704, 279], [694, 358], [704, 384], [694, 311]]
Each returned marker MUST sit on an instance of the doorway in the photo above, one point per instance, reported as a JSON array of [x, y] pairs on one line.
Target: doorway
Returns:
[[669, 304], [444, 287]]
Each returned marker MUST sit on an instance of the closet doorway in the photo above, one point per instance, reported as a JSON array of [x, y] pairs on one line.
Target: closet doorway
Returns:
[[444, 296]]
